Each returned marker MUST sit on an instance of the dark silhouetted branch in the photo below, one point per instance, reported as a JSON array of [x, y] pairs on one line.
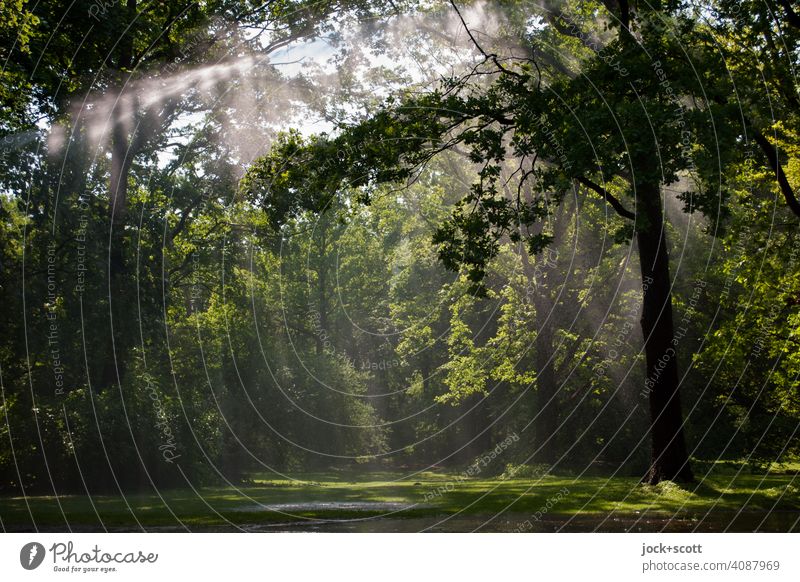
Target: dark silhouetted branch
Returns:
[[615, 204], [772, 155]]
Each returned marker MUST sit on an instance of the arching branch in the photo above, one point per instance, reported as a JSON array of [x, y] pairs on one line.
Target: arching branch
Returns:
[[772, 156], [615, 204], [488, 56]]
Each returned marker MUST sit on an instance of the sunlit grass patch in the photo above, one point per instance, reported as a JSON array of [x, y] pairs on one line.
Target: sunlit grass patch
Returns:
[[321, 496]]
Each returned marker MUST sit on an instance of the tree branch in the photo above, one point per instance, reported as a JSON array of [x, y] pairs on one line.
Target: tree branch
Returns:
[[488, 56], [772, 155], [791, 15], [615, 204]]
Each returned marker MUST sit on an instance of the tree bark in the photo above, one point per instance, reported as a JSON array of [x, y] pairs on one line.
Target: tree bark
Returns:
[[115, 360], [322, 289], [546, 389], [114, 363], [547, 401], [669, 458]]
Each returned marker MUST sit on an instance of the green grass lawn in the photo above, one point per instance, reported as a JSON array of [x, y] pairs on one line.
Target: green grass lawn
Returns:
[[424, 495]]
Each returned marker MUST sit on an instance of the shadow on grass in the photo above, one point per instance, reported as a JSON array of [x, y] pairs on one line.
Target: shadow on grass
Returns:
[[426, 499]]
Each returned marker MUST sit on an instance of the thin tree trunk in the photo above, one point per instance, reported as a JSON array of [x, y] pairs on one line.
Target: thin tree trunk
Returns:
[[477, 427], [322, 290], [546, 424], [544, 429]]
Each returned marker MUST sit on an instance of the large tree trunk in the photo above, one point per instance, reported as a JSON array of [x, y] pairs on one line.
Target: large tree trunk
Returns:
[[669, 457], [122, 129], [113, 366], [119, 325]]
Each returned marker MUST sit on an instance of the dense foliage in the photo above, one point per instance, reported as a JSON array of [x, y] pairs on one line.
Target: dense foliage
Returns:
[[193, 291]]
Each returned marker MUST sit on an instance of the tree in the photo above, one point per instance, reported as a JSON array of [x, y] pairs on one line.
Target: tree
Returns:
[[622, 118], [122, 187], [746, 32]]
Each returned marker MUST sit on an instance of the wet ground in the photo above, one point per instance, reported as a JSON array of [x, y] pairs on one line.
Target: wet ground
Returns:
[[387, 506], [745, 521], [717, 521], [382, 504], [779, 521]]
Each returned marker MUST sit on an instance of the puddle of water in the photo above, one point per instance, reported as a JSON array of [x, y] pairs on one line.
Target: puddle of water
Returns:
[[326, 505], [778, 521], [745, 521]]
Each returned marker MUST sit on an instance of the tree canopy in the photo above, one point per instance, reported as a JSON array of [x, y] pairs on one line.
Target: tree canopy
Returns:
[[242, 236]]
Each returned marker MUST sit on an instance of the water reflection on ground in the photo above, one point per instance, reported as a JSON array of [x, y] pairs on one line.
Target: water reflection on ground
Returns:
[[746, 521], [327, 506]]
